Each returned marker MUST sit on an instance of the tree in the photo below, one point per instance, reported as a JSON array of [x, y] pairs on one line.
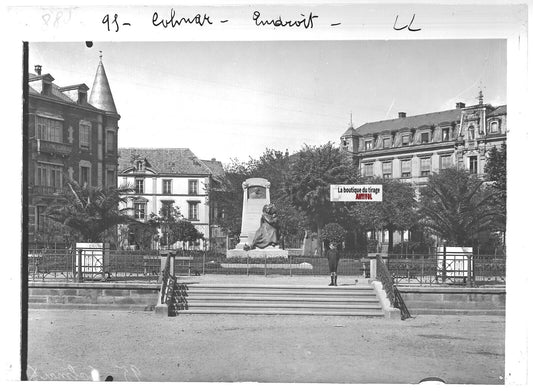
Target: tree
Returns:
[[397, 211], [458, 207], [142, 234], [312, 171], [227, 194], [187, 233], [496, 168], [90, 211], [496, 172], [173, 227], [333, 233]]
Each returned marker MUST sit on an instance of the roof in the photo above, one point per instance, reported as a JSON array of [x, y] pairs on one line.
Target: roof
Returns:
[[499, 110], [215, 166], [168, 161], [56, 91], [417, 121], [101, 96]]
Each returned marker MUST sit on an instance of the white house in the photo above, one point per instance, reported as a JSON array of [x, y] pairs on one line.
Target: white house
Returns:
[[169, 176]]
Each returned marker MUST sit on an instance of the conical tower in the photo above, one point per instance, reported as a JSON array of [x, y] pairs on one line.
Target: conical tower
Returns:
[[101, 96]]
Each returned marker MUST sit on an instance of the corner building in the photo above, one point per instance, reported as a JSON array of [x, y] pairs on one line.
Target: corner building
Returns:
[[73, 132], [410, 148]]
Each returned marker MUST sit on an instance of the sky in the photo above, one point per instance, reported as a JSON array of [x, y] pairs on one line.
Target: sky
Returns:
[[233, 100]]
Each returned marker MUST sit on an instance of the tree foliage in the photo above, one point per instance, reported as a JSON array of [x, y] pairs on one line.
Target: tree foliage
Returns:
[[333, 233], [90, 211], [458, 207], [496, 168], [312, 171], [272, 165], [397, 211]]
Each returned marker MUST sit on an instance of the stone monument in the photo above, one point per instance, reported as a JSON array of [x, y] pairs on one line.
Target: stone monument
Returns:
[[258, 218]]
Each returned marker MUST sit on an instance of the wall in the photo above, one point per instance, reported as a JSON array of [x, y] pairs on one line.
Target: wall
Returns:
[[454, 300]]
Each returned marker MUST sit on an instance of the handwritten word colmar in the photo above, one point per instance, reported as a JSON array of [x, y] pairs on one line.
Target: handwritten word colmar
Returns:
[[306, 21], [174, 21]]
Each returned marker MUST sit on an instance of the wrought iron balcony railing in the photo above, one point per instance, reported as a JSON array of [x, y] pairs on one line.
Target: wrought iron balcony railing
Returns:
[[54, 148]]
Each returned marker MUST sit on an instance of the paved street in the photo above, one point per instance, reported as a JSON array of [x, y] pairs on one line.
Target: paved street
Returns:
[[140, 346]]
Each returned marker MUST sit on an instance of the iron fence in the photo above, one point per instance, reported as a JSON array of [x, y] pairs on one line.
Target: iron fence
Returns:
[[56, 264]]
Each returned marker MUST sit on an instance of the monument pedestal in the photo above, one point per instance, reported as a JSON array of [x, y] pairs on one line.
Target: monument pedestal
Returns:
[[258, 253]]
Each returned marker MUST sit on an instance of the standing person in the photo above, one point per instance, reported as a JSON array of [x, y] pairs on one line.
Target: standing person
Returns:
[[333, 260]]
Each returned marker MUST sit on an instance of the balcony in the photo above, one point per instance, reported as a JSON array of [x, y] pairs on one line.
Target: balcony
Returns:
[[45, 190], [53, 148]]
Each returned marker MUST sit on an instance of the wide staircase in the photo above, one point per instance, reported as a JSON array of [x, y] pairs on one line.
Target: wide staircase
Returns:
[[357, 300]]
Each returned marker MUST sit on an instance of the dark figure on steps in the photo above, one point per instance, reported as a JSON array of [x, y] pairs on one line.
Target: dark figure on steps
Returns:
[[333, 260]]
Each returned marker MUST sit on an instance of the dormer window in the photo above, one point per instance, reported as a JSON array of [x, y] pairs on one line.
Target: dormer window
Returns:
[[368, 145], [424, 138], [445, 134], [495, 127], [386, 142], [139, 165], [405, 140]]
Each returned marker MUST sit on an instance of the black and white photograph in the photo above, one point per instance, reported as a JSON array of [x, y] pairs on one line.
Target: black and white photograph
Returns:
[[296, 193]]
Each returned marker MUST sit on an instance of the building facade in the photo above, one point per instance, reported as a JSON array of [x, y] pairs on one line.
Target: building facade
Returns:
[[175, 177], [410, 148], [72, 133]]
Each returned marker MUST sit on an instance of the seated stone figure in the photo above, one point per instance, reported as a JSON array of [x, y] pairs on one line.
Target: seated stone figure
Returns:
[[267, 234]]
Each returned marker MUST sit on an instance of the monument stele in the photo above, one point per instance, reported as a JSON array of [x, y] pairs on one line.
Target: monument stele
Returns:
[[256, 194]]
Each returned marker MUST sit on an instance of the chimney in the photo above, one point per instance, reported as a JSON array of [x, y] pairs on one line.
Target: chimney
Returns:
[[38, 69], [401, 114], [460, 105]]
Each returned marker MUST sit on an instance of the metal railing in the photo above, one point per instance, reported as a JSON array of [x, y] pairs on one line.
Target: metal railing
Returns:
[[393, 294], [57, 264]]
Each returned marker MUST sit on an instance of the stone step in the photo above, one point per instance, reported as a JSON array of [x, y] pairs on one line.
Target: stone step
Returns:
[[272, 293], [276, 299], [358, 313], [294, 305]]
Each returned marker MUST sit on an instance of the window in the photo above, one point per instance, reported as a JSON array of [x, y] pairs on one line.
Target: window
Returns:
[[139, 209], [425, 167], [167, 187], [139, 165], [193, 187], [445, 161], [495, 127], [405, 140], [166, 208], [386, 142], [424, 137], [406, 168], [49, 176], [110, 141], [472, 161], [368, 170], [387, 169], [49, 130], [445, 134], [85, 136], [139, 185], [85, 175], [368, 145], [471, 132], [40, 218], [193, 211], [110, 178]]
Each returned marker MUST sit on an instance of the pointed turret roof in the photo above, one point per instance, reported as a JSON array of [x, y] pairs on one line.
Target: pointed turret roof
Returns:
[[101, 96]]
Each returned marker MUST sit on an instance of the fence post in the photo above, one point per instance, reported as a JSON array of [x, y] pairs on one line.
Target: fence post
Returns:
[[203, 264], [373, 268], [290, 266], [247, 264], [443, 264], [265, 265], [79, 262]]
